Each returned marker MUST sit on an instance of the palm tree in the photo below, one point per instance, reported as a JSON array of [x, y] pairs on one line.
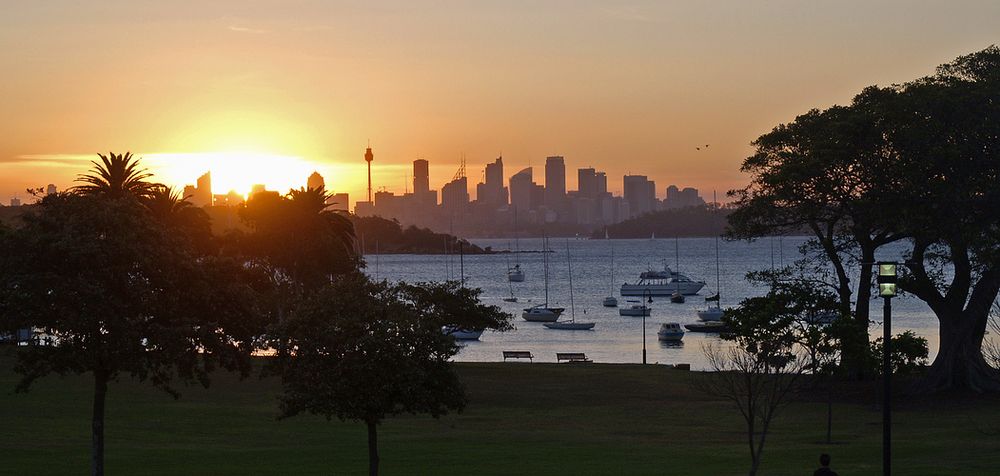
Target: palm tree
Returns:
[[167, 206], [118, 175], [310, 214]]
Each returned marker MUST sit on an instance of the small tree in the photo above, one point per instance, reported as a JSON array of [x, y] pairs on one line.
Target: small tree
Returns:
[[759, 384], [363, 351]]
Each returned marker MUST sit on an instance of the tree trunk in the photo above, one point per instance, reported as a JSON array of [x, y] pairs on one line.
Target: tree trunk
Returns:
[[372, 449], [97, 424], [960, 363]]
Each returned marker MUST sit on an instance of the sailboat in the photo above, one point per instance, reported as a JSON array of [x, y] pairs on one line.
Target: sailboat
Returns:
[[460, 333], [542, 312], [611, 300], [571, 324], [515, 274], [677, 297], [510, 286], [713, 313]]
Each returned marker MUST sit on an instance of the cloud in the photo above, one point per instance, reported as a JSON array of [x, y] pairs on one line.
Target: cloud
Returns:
[[48, 160], [244, 29]]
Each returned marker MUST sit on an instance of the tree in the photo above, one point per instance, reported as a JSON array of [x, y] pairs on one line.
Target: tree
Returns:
[[166, 205], [119, 293], [116, 176], [759, 383], [917, 162], [363, 351]]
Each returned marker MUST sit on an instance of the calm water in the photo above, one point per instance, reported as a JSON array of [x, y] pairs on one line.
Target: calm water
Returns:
[[615, 338]]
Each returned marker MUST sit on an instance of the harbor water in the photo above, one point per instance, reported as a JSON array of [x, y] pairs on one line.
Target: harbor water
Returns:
[[617, 339]]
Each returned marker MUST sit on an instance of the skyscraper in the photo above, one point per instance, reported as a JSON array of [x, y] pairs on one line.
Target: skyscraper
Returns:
[[640, 193], [200, 195], [455, 194], [369, 157], [555, 182], [493, 192], [421, 177], [587, 182], [315, 181], [521, 187], [51, 189]]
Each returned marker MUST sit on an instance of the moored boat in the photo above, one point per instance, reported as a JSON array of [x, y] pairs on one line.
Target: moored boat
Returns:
[[662, 283], [670, 332]]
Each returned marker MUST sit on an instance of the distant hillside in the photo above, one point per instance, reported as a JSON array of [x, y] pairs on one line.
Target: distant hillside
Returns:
[[391, 238], [691, 221]]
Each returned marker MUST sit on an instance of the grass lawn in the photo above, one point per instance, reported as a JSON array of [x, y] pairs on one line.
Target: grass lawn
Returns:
[[571, 419]]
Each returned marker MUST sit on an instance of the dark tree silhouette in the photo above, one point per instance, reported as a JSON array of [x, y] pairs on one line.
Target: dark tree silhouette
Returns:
[[918, 162], [177, 212], [363, 351], [117, 292], [117, 175]]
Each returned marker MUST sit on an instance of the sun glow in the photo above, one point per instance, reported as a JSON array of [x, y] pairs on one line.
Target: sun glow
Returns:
[[231, 170]]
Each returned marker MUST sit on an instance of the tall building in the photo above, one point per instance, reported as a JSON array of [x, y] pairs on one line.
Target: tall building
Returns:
[[587, 182], [455, 194], [421, 177], [555, 182], [601, 181], [15, 202], [492, 191], [640, 193], [677, 198], [521, 188], [315, 181], [51, 189], [200, 195], [339, 202]]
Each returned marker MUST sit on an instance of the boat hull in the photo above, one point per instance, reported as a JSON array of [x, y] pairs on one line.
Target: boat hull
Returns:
[[463, 334], [570, 326], [610, 301], [542, 314], [670, 336], [631, 312], [515, 276], [666, 289], [712, 314], [709, 327]]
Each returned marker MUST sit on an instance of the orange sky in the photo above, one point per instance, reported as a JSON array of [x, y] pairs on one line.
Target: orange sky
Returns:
[[293, 86]]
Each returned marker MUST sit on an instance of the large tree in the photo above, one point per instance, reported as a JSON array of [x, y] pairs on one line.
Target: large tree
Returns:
[[363, 351], [916, 161], [117, 289]]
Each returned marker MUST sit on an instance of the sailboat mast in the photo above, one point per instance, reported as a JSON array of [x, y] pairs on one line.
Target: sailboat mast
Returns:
[[545, 265], [612, 268], [461, 261], [718, 288], [569, 268]]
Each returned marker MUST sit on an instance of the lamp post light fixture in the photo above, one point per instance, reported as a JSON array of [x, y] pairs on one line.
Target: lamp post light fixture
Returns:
[[886, 280], [647, 297]]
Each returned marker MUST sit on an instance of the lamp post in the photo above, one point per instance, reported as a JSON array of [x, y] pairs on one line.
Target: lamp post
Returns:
[[886, 279], [646, 294]]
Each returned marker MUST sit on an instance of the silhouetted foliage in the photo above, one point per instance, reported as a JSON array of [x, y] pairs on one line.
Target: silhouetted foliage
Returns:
[[114, 291], [297, 238], [690, 221], [179, 214], [116, 176], [390, 237], [917, 162], [363, 351], [909, 353]]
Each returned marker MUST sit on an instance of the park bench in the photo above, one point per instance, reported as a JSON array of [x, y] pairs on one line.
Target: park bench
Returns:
[[517, 354], [572, 357]]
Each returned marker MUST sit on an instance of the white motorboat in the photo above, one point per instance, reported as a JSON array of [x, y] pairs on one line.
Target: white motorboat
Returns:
[[634, 310], [662, 283], [610, 301], [462, 334], [670, 332]]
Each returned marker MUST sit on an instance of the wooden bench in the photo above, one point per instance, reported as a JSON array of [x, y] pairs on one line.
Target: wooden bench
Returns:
[[517, 354], [572, 357]]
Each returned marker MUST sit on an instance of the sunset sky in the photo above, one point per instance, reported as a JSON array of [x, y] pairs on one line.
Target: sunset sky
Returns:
[[267, 91]]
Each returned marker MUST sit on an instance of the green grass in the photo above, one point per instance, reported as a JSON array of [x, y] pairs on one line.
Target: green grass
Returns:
[[522, 419]]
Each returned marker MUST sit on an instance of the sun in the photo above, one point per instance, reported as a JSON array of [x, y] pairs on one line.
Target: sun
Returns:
[[235, 170]]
